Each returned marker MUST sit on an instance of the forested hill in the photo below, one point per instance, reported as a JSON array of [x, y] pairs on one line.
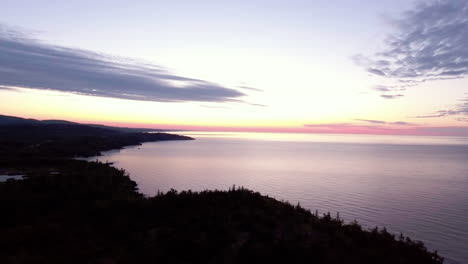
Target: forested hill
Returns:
[[13, 120], [90, 213], [69, 140], [74, 211]]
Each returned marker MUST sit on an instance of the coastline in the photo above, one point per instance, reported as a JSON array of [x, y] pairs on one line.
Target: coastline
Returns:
[[62, 198]]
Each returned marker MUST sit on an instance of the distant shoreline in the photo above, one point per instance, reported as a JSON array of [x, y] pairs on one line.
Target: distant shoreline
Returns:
[[83, 210]]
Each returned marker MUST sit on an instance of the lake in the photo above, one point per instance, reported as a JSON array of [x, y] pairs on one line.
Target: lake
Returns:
[[414, 185]]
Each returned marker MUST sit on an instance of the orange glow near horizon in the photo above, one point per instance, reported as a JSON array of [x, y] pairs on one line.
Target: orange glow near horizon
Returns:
[[30, 103], [326, 128]]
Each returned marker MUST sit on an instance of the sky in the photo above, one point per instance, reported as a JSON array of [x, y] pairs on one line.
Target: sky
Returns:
[[372, 67]]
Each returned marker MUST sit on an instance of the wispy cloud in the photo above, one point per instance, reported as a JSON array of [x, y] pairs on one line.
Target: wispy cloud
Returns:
[[7, 88], [391, 96], [430, 43], [460, 110], [346, 128], [29, 63], [254, 104], [250, 88], [398, 123], [372, 127], [382, 88]]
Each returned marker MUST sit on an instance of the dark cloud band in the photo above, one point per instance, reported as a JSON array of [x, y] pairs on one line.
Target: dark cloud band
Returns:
[[25, 62]]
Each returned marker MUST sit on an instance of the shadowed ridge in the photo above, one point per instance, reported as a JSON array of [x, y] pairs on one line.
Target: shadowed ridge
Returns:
[[64, 140], [91, 213], [12, 120], [74, 211]]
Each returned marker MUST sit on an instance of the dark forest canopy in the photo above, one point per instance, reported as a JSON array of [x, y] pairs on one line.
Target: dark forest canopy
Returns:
[[75, 211]]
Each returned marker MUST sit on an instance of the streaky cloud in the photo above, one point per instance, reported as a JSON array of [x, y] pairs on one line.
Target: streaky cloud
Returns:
[[401, 123], [250, 88], [376, 71], [398, 123], [372, 121], [382, 88], [254, 104], [460, 110], [346, 128], [28, 63], [391, 96], [7, 88]]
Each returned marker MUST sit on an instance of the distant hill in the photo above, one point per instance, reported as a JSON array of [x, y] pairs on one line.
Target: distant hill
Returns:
[[75, 211], [13, 121], [57, 122], [69, 140]]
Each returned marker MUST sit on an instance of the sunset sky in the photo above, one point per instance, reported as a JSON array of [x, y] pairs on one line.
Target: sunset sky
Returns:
[[350, 66]]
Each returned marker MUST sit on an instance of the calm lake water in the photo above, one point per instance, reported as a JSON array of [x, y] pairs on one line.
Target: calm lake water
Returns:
[[414, 185]]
